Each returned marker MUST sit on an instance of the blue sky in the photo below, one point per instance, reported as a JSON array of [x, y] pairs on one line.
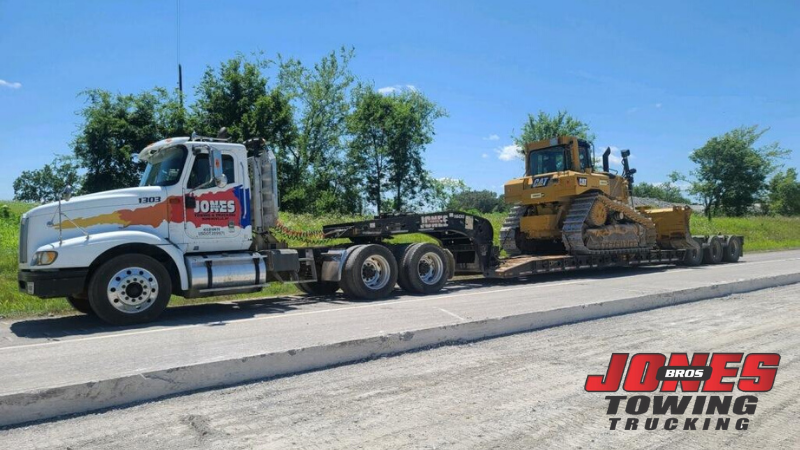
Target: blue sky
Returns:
[[659, 79]]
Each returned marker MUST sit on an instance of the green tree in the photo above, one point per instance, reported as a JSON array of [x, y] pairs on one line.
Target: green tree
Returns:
[[324, 179], [544, 126], [784, 193], [482, 201], [731, 172], [389, 135], [117, 126], [369, 125], [48, 183], [236, 95], [443, 190], [667, 192]]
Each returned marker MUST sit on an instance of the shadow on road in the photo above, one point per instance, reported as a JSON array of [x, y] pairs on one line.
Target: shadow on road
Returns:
[[219, 314]]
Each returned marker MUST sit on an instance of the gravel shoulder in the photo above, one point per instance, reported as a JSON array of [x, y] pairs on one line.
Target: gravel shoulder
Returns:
[[517, 392]]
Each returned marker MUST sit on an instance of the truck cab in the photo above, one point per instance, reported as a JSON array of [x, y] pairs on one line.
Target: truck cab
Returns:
[[206, 193]]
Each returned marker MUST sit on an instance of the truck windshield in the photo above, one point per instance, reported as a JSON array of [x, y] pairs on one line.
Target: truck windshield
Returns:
[[546, 161], [165, 167]]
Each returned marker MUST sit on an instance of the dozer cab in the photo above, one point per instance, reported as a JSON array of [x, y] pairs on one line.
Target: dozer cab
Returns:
[[563, 205]]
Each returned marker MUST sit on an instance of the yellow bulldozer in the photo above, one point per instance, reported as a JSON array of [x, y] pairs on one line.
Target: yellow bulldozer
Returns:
[[564, 205]]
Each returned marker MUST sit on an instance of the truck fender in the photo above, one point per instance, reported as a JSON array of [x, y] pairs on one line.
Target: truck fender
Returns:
[[333, 262], [83, 252]]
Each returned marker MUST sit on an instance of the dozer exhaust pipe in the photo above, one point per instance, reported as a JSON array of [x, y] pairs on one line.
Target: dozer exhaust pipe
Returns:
[[627, 172], [605, 159]]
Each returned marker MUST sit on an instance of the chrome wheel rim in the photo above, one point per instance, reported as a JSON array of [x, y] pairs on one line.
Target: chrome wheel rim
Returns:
[[132, 290], [430, 268], [375, 272]]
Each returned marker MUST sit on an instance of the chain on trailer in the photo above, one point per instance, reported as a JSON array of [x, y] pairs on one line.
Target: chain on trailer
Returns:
[[308, 237]]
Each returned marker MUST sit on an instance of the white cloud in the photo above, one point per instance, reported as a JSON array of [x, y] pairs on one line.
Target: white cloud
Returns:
[[397, 88], [485, 155], [9, 84], [509, 152], [492, 137], [658, 105]]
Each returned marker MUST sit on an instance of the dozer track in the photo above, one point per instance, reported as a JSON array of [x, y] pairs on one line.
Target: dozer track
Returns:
[[573, 231], [508, 232]]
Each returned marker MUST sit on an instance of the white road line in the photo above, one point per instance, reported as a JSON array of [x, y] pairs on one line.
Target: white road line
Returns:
[[450, 313]]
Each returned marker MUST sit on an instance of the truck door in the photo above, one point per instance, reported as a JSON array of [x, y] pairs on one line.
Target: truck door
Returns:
[[217, 218]]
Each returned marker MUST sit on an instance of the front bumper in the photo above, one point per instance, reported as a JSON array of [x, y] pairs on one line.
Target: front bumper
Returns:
[[52, 283]]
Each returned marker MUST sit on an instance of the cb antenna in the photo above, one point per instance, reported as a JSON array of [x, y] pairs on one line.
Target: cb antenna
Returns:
[[178, 58]]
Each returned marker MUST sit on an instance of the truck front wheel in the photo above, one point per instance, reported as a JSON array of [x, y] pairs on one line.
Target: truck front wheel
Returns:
[[130, 289], [80, 304]]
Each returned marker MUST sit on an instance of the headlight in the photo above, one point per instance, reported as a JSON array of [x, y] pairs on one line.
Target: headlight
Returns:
[[44, 258]]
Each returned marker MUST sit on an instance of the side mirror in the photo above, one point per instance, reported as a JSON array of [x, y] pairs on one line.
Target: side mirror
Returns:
[[217, 175]]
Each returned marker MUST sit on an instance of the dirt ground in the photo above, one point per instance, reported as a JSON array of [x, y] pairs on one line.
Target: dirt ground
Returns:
[[519, 392]]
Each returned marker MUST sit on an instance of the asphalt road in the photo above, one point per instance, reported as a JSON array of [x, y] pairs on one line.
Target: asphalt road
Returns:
[[61, 351], [518, 392]]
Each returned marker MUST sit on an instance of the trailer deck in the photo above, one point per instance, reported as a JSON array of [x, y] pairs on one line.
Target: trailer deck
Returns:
[[470, 239]]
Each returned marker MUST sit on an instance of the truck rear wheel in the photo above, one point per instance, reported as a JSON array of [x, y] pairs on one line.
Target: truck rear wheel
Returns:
[[424, 269], [369, 273], [80, 304], [712, 254], [130, 289], [733, 251]]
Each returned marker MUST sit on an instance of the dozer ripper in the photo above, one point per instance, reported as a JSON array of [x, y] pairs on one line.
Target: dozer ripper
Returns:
[[563, 205]]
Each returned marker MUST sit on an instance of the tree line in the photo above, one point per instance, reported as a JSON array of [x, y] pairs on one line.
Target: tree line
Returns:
[[341, 146]]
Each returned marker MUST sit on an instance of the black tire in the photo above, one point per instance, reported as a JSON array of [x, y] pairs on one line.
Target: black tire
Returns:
[[319, 287], [369, 273], [130, 289], [733, 250], [425, 268], [712, 254], [402, 276], [451, 264], [693, 256], [80, 304]]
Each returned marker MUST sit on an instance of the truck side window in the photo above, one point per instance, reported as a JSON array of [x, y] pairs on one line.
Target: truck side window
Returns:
[[200, 173]]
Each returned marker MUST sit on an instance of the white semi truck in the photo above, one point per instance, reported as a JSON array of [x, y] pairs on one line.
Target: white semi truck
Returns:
[[199, 225]]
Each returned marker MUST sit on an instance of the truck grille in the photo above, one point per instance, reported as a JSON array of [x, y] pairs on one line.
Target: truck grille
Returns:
[[23, 240]]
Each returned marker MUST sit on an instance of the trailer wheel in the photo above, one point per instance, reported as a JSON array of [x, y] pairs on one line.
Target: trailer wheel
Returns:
[[712, 254], [424, 269], [693, 256], [319, 287], [733, 250], [80, 304], [369, 273], [130, 289], [451, 264], [402, 276]]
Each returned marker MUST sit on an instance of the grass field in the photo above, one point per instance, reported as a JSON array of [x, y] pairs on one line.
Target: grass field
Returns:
[[761, 233]]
